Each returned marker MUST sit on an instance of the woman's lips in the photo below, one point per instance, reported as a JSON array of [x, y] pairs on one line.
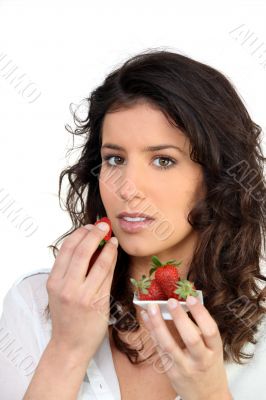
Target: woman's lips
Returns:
[[134, 227]]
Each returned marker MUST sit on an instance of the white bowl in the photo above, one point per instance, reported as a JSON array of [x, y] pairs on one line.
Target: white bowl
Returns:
[[163, 304]]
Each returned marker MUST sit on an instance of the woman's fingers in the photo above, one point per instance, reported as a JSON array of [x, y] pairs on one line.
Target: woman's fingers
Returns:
[[161, 334], [100, 276], [82, 254], [66, 251], [97, 286], [207, 325], [107, 283], [188, 331]]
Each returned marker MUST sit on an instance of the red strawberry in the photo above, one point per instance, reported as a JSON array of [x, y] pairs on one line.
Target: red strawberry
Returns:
[[148, 289], [109, 234], [166, 275], [184, 289], [102, 243]]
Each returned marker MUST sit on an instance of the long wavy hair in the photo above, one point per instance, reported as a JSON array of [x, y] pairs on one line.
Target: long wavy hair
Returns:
[[227, 262]]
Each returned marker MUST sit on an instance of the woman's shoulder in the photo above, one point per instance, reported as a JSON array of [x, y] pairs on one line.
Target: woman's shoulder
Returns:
[[23, 331], [27, 292], [32, 276]]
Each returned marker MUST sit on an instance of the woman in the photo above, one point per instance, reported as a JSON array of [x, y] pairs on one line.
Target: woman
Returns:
[[168, 137]]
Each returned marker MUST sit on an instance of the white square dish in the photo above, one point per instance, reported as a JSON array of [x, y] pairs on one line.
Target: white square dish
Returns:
[[163, 304]]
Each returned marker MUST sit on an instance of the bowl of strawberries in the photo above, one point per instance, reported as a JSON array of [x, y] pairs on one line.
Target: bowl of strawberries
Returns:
[[164, 282]]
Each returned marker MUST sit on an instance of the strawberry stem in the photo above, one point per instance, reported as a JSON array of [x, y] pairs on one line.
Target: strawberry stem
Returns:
[[185, 288], [142, 285], [102, 243], [156, 263]]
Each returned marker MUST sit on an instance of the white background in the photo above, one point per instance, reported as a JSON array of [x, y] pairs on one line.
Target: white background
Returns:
[[65, 49]]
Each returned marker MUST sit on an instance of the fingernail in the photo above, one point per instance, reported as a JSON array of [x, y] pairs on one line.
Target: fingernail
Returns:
[[152, 308], [103, 226], [88, 226], [172, 303], [144, 315], [114, 240], [191, 300]]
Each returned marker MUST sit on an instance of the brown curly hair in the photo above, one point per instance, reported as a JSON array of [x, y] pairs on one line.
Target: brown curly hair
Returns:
[[231, 219]]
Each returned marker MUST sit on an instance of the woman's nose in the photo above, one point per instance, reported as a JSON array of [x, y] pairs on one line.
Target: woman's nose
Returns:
[[130, 184], [127, 189]]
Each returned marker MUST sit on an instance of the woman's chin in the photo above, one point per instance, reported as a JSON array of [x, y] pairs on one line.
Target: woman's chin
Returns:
[[139, 248]]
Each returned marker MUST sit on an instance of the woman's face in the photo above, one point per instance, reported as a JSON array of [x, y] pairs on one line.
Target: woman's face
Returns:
[[134, 180]]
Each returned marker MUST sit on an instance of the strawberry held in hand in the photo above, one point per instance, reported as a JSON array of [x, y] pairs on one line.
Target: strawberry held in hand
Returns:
[[148, 289], [102, 243], [109, 234]]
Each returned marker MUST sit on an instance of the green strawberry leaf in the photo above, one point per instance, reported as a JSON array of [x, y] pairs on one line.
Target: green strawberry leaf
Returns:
[[185, 289], [145, 291], [170, 261], [174, 262], [156, 261], [152, 270], [133, 281]]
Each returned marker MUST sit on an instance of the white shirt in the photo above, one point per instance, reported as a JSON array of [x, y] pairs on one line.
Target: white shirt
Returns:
[[25, 332]]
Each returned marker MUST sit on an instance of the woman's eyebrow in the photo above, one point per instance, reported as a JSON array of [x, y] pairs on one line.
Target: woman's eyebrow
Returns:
[[145, 149]]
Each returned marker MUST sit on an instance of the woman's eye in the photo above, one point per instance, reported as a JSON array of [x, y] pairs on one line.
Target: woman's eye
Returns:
[[108, 158], [164, 165], [167, 159]]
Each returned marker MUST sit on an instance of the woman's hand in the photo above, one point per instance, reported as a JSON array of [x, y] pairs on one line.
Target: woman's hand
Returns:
[[196, 372], [79, 304]]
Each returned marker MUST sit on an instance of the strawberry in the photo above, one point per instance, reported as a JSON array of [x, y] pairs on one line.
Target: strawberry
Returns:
[[166, 275], [184, 289], [102, 243], [148, 289], [109, 234]]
